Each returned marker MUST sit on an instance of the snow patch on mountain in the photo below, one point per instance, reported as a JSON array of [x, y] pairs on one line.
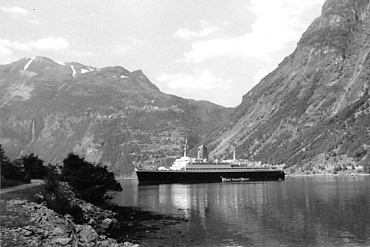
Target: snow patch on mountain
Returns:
[[29, 62], [74, 73], [61, 63]]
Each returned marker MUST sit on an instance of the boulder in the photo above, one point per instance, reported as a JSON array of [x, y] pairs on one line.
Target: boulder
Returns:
[[62, 241], [58, 231], [105, 224], [88, 234], [128, 244], [105, 243], [27, 233]]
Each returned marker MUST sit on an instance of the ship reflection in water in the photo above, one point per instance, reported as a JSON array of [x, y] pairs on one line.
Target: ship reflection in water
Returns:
[[302, 211]]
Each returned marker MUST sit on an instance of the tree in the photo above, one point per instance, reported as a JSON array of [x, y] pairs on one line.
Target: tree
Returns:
[[3, 158], [12, 173], [34, 166], [93, 183]]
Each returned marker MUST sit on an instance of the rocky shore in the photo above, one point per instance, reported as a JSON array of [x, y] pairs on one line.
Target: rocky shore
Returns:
[[31, 223], [41, 226]]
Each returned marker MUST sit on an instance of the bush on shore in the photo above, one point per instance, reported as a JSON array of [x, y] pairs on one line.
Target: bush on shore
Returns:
[[92, 183]]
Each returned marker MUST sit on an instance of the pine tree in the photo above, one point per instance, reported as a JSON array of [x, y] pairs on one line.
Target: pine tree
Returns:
[[3, 159]]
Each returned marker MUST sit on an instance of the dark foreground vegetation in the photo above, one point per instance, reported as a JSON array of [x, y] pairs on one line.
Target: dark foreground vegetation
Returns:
[[79, 190], [90, 182]]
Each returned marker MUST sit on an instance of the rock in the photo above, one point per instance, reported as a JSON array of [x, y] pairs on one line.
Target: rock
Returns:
[[48, 228], [114, 245], [104, 243], [36, 219], [17, 202], [128, 244], [92, 222], [58, 231], [39, 197], [106, 223], [87, 208], [88, 234], [62, 241], [69, 217], [27, 233], [79, 228], [35, 243]]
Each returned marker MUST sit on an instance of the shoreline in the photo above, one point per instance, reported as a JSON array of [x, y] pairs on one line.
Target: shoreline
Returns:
[[328, 175], [111, 225]]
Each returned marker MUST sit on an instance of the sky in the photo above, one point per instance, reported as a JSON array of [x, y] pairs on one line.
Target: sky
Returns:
[[212, 50]]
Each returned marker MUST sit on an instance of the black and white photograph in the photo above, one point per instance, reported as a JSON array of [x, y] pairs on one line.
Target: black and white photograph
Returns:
[[205, 123]]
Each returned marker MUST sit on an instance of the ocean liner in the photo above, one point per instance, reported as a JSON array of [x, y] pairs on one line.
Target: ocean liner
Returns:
[[204, 170]]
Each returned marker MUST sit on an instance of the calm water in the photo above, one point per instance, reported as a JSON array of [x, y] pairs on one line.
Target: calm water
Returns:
[[300, 211]]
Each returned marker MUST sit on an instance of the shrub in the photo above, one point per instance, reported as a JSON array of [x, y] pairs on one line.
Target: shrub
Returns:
[[52, 179], [55, 198], [93, 183], [58, 202]]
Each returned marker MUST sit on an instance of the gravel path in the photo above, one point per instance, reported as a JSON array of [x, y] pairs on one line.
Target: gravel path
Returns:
[[34, 182]]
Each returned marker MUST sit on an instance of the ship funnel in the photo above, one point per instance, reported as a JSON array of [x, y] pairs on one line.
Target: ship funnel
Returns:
[[185, 150], [202, 152]]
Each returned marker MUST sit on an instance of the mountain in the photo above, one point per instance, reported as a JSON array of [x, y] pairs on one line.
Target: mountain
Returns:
[[314, 107], [107, 115]]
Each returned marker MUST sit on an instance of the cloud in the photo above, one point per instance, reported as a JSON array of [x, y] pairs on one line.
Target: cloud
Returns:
[[7, 44], [185, 33], [277, 23], [34, 21], [199, 80], [49, 43], [121, 49], [4, 50], [127, 45], [14, 10], [7, 47]]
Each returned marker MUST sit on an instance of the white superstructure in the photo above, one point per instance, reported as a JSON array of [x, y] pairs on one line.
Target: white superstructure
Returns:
[[202, 163]]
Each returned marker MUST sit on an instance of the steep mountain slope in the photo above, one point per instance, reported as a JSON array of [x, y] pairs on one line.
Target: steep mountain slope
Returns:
[[325, 79], [108, 115]]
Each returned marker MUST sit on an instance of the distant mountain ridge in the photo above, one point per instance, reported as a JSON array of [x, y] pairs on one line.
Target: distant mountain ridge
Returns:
[[108, 115], [326, 78]]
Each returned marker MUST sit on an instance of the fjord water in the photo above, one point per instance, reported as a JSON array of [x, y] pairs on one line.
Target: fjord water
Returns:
[[300, 211]]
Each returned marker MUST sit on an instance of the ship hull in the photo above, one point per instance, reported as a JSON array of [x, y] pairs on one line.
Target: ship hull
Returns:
[[163, 177]]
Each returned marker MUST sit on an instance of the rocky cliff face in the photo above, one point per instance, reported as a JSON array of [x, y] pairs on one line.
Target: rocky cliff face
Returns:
[[108, 115], [325, 78]]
